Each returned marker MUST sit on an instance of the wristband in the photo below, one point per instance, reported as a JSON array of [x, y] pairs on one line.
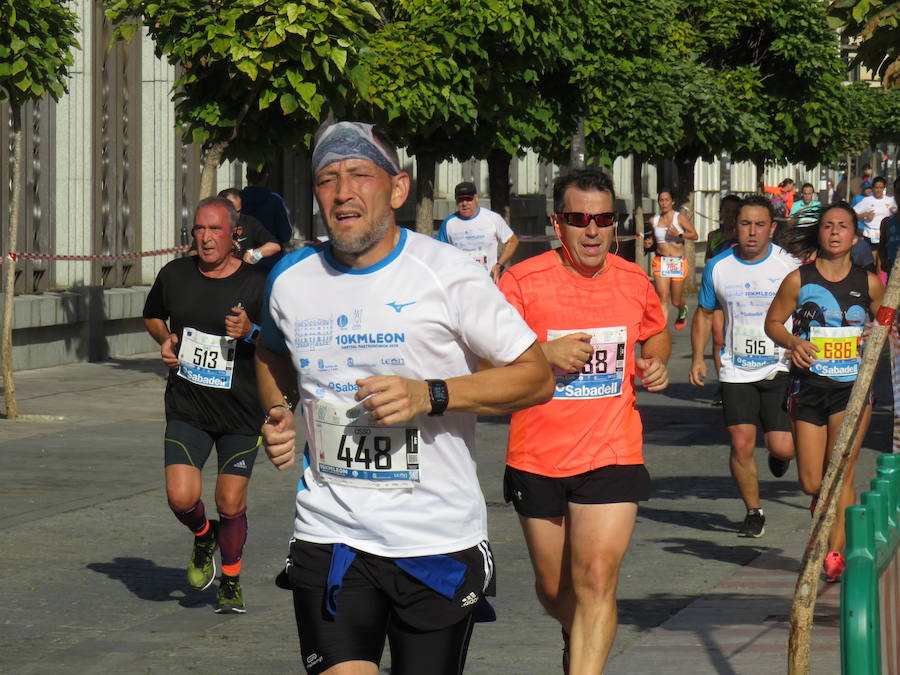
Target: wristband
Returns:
[[255, 255], [885, 316], [254, 333]]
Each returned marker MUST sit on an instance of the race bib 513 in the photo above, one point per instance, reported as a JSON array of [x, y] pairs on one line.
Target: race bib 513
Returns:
[[207, 360]]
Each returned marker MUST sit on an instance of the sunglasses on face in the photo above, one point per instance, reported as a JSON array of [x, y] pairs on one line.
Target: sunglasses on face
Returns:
[[578, 219]]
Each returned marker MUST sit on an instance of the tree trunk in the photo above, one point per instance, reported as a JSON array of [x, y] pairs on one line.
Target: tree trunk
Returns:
[[686, 165], [579, 147], [425, 170], [498, 182], [804, 605], [9, 388], [211, 161], [760, 166], [637, 190]]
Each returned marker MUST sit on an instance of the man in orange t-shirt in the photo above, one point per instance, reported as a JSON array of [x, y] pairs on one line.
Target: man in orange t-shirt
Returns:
[[575, 467]]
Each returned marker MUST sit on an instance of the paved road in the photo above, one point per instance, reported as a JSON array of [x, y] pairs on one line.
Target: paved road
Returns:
[[93, 561]]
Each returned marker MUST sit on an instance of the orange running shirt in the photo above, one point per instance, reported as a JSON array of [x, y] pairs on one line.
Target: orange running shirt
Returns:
[[591, 421]]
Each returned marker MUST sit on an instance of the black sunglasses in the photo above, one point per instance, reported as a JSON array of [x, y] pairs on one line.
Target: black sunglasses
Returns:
[[578, 219]]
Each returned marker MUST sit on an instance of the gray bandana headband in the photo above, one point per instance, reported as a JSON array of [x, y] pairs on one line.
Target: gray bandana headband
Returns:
[[350, 140]]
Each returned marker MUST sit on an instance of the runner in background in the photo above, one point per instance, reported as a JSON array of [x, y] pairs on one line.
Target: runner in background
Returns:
[[719, 240], [753, 372], [202, 311], [670, 267], [478, 232], [830, 300], [888, 246]]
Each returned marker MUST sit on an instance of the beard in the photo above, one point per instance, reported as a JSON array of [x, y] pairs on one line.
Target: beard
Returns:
[[360, 242]]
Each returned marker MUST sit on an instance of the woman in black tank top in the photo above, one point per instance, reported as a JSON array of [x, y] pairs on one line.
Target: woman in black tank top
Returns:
[[831, 301]]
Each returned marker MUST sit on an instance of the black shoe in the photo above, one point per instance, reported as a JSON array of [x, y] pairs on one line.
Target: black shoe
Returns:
[[717, 397], [754, 524], [778, 466]]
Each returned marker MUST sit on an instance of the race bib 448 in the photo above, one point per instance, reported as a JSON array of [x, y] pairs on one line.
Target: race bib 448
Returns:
[[351, 450]]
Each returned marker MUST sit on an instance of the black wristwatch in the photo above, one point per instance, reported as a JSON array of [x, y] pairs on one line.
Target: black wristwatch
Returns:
[[440, 397], [254, 333]]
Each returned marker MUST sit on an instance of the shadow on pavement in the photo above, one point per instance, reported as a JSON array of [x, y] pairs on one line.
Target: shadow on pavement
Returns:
[[148, 581], [737, 554], [148, 365]]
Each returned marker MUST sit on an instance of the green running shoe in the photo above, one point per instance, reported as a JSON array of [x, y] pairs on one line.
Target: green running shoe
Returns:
[[681, 321], [201, 570], [231, 598]]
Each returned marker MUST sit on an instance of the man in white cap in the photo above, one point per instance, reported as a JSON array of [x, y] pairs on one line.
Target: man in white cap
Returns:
[[377, 324]]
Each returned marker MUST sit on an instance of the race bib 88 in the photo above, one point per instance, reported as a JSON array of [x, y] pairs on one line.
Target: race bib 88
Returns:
[[603, 373]]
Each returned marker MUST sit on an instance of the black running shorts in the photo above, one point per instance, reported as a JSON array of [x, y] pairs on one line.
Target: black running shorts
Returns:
[[807, 402], [186, 444], [536, 496], [758, 403], [427, 631]]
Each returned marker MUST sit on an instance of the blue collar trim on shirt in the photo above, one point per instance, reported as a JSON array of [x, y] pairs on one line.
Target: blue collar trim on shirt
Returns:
[[758, 262], [384, 262]]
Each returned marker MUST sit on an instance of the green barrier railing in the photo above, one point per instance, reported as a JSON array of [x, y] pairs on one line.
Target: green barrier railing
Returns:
[[870, 585]]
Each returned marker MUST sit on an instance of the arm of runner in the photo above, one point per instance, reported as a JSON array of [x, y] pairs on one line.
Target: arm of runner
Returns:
[[501, 390], [803, 352], [685, 224], [651, 366], [509, 248], [876, 294], [701, 327], [159, 331], [274, 375], [568, 353], [265, 251]]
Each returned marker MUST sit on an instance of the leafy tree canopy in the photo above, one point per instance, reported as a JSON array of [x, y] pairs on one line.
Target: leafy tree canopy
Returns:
[[875, 24], [36, 42], [256, 75]]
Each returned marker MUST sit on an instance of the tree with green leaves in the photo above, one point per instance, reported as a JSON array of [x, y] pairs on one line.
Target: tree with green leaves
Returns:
[[875, 26], [36, 42], [463, 79], [759, 79], [254, 75]]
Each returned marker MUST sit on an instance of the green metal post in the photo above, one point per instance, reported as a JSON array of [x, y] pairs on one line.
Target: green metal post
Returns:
[[860, 651]]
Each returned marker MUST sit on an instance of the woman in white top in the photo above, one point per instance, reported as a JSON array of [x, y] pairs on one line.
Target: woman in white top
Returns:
[[670, 268]]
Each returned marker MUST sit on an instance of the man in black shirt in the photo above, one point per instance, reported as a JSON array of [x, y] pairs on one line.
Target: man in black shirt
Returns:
[[211, 302]]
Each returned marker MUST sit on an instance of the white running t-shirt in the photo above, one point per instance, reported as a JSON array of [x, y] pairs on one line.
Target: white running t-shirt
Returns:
[[477, 236], [744, 291], [423, 312]]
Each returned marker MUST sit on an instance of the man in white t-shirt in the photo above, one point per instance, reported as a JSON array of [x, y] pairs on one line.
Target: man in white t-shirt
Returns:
[[754, 374], [874, 209], [477, 231], [384, 330]]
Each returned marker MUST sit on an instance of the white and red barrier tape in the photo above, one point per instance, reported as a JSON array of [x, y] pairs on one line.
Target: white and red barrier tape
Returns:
[[114, 256]]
